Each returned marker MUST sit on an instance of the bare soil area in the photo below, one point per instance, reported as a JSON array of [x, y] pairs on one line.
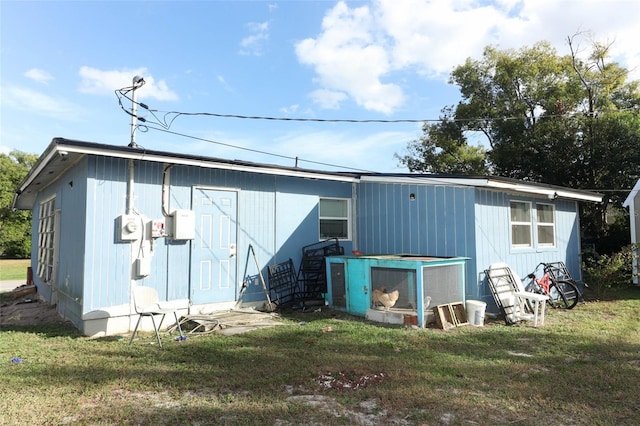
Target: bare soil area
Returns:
[[29, 310]]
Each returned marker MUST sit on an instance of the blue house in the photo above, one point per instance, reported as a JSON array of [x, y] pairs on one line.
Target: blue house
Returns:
[[106, 218]]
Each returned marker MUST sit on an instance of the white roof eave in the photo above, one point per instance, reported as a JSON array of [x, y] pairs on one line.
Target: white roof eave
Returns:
[[629, 200], [517, 187], [205, 163]]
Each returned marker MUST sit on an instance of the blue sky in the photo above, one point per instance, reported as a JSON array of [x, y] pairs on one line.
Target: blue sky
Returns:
[[363, 60]]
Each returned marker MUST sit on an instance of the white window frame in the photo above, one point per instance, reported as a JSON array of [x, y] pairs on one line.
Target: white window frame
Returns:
[[46, 239], [540, 224], [347, 218], [513, 223]]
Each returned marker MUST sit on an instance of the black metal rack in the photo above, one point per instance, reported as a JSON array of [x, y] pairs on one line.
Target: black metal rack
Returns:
[[558, 271], [283, 283], [312, 274], [309, 284]]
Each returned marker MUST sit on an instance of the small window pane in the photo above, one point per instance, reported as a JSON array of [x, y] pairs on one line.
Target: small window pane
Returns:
[[520, 212], [330, 228], [545, 235], [521, 224], [333, 208], [545, 213], [521, 235]]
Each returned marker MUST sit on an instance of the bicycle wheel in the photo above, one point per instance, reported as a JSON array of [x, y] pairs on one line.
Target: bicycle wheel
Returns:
[[564, 294]]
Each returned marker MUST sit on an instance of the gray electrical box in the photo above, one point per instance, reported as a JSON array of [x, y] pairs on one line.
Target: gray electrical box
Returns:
[[129, 227], [184, 225]]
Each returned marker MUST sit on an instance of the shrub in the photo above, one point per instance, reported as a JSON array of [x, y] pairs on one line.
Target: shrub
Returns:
[[604, 272]]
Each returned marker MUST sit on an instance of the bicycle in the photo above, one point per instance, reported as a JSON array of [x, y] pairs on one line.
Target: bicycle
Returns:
[[555, 283]]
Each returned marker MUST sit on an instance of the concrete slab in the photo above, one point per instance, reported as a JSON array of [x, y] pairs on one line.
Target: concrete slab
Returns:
[[9, 285]]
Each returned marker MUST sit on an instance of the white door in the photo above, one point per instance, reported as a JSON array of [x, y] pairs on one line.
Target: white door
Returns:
[[213, 260]]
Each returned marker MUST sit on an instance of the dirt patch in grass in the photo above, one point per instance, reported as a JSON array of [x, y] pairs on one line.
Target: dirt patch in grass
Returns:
[[28, 311]]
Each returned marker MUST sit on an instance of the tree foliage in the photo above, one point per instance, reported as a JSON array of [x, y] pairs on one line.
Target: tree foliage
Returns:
[[15, 226], [444, 149], [563, 120]]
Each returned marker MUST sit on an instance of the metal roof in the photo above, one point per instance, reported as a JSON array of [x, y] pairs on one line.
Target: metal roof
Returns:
[[62, 154]]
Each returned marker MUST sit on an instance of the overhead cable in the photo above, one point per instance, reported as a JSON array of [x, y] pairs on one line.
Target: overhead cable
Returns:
[[296, 159]]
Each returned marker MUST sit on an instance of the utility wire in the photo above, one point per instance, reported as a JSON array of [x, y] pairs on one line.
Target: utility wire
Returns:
[[296, 159], [168, 117]]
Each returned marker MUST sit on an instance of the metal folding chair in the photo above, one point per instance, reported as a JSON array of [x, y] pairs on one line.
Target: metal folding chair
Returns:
[[147, 304]]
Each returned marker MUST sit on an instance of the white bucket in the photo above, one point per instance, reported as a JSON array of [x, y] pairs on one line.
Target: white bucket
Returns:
[[475, 312]]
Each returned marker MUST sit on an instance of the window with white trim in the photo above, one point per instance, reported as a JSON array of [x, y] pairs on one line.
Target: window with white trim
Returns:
[[545, 222], [335, 220], [45, 239], [521, 225]]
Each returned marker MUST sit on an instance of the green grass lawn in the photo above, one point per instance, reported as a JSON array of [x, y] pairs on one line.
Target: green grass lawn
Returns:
[[14, 269], [581, 368]]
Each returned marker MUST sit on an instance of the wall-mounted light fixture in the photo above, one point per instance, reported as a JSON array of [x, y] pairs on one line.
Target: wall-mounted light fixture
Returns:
[[412, 197]]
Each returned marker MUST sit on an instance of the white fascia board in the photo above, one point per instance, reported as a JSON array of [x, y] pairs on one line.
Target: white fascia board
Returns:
[[423, 180], [205, 164], [629, 200], [39, 167], [517, 187], [551, 193]]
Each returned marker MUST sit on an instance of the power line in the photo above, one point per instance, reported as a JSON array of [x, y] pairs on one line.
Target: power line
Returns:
[[296, 159], [168, 117]]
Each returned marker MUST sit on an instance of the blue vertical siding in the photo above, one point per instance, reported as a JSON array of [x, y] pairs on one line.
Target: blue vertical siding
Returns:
[[276, 215], [69, 190], [108, 261], [451, 221], [439, 220], [494, 244]]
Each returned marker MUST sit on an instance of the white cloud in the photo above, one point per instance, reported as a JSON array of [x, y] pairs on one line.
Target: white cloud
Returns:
[[296, 110], [34, 102], [328, 99], [349, 58], [254, 43], [361, 50], [38, 75], [99, 82], [433, 37], [291, 109]]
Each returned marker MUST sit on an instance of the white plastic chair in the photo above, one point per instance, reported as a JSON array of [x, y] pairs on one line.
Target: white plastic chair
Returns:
[[511, 297], [147, 304]]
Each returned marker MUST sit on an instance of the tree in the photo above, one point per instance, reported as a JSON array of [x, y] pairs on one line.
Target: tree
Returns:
[[443, 149], [547, 118], [15, 226]]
